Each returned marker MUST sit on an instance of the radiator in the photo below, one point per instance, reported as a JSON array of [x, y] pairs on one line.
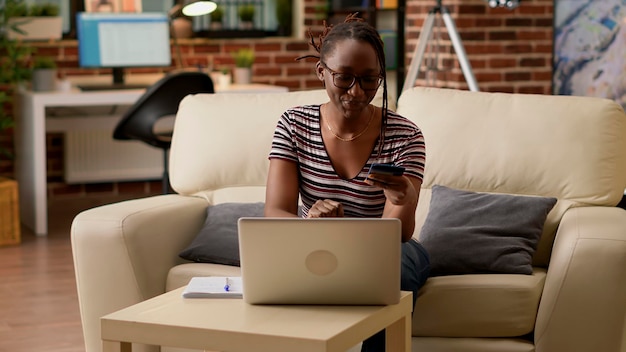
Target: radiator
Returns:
[[92, 155]]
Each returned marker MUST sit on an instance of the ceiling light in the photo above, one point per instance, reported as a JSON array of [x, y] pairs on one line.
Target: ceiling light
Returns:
[[509, 4], [198, 8]]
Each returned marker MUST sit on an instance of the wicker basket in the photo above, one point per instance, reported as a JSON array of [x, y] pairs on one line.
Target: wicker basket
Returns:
[[9, 213]]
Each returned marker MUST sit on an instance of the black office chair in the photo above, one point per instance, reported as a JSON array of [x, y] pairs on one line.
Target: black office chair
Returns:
[[160, 100]]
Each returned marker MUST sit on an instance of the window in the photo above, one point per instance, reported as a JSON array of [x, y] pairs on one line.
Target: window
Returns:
[[262, 19]]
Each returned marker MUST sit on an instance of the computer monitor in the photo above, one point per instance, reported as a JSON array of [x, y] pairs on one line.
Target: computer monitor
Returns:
[[123, 40]]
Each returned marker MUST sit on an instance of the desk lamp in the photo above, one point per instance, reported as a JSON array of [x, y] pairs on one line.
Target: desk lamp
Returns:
[[189, 8]]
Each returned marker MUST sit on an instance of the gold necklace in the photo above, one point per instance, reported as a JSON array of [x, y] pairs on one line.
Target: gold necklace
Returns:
[[330, 129]]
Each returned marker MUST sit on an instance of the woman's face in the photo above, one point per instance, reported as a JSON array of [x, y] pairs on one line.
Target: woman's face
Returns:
[[350, 57]]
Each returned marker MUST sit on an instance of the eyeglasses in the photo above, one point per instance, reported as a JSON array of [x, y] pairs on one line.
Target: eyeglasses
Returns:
[[346, 80]]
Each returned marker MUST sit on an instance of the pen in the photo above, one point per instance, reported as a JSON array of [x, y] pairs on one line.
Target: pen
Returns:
[[226, 286]]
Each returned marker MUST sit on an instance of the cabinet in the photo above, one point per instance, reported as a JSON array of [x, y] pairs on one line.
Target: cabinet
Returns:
[[388, 16], [9, 213]]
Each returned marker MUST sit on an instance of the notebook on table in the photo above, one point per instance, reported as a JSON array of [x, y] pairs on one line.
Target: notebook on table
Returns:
[[347, 261]]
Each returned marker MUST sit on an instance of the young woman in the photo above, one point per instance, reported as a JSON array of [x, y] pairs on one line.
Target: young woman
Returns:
[[322, 153]]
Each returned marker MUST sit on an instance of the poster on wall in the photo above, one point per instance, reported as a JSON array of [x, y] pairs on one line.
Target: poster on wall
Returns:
[[113, 5], [590, 48]]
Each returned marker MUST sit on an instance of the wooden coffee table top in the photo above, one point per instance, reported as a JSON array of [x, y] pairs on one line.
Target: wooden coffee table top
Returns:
[[233, 325]]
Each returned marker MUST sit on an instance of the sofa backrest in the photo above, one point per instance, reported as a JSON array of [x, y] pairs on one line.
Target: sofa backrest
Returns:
[[221, 143], [571, 148]]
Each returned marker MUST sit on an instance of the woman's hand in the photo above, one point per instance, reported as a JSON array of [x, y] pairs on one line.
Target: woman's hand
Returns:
[[402, 193], [398, 189], [326, 208]]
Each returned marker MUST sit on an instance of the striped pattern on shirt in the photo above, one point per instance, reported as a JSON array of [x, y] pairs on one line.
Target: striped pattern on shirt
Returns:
[[298, 138]]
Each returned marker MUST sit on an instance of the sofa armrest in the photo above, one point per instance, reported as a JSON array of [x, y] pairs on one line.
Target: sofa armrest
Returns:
[[583, 306], [123, 251]]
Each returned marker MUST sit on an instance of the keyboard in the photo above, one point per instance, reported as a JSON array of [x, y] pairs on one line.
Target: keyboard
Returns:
[[98, 87]]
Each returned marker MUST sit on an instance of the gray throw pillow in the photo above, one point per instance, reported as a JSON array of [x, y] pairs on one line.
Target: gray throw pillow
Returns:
[[218, 242], [470, 233]]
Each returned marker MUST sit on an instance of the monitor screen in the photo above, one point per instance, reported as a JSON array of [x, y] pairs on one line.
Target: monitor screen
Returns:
[[123, 40]]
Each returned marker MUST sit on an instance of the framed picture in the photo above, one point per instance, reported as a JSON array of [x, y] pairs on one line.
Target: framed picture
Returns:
[[590, 49]]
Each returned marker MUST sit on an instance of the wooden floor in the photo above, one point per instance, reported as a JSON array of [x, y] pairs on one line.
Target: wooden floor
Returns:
[[38, 301]]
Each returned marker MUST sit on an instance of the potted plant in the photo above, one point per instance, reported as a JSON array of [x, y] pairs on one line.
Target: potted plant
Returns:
[[221, 78], [40, 21], [44, 74], [14, 67], [246, 16], [217, 18], [14, 70], [244, 58]]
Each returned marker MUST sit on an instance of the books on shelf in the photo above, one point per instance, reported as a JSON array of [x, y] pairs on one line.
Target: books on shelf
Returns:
[[386, 4], [214, 287]]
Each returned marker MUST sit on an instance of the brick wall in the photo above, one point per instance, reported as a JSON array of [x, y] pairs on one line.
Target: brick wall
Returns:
[[509, 51]]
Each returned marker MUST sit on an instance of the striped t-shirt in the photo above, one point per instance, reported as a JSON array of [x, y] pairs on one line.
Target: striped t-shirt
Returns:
[[298, 138]]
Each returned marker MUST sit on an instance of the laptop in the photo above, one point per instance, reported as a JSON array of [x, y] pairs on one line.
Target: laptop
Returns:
[[342, 261]]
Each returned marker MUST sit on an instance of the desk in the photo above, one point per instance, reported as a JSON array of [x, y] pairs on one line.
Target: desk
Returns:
[[235, 326], [30, 139]]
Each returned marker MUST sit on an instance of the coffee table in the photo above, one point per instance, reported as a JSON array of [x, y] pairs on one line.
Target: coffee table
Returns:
[[219, 324]]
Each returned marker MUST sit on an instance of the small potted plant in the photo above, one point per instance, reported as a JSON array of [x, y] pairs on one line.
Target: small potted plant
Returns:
[[246, 16], [217, 18], [40, 21], [44, 74], [44, 10], [244, 58], [221, 78]]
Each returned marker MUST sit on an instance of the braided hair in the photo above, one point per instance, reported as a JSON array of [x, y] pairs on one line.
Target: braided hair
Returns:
[[355, 28]]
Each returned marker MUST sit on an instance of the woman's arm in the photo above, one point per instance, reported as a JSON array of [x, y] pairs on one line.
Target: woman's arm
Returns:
[[281, 194], [404, 209]]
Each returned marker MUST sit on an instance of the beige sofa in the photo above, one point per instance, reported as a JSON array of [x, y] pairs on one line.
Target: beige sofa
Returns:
[[570, 148]]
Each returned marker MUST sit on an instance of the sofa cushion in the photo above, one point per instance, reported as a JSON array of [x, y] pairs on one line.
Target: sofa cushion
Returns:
[[468, 232], [218, 242], [480, 305]]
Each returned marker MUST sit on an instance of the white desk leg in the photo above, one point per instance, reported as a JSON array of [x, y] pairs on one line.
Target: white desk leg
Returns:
[[399, 335], [31, 164]]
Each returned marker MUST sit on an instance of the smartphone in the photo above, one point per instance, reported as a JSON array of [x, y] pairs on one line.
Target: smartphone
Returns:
[[386, 169]]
